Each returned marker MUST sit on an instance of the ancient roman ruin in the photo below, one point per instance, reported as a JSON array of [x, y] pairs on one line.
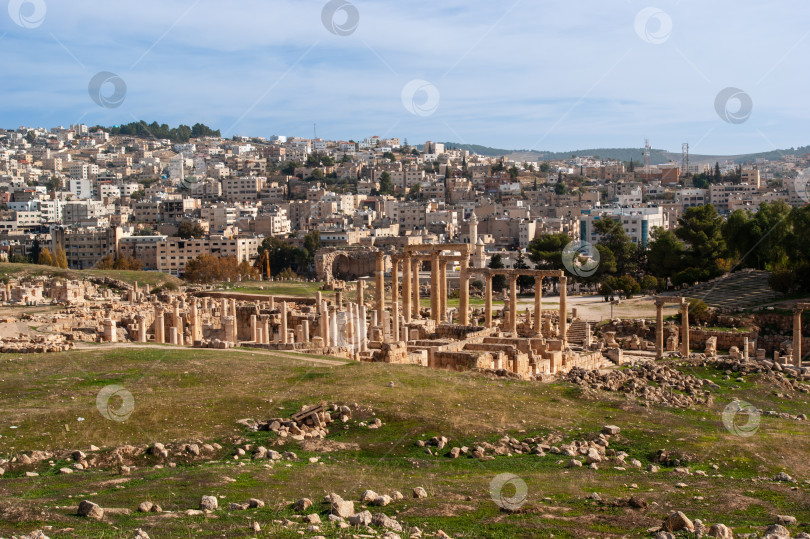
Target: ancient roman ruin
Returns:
[[377, 317]]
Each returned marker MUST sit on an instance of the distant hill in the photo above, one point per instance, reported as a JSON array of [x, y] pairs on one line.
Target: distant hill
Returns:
[[657, 156]]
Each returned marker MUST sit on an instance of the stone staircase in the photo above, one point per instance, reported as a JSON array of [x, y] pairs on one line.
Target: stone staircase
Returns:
[[577, 331], [737, 290]]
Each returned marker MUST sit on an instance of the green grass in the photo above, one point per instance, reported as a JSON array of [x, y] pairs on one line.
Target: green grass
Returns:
[[281, 288], [152, 278], [186, 395]]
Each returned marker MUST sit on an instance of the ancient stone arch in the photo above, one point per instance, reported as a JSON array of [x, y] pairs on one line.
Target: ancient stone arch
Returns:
[[344, 264]]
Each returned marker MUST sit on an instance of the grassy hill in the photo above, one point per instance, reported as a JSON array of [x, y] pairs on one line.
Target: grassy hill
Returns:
[[185, 396], [152, 278]]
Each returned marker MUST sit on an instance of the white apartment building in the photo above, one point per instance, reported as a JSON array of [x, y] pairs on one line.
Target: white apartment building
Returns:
[[638, 223], [81, 188]]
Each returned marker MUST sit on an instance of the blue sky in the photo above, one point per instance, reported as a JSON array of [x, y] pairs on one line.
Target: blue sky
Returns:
[[527, 74]]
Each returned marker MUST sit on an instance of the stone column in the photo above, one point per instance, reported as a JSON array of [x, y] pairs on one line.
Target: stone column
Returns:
[[394, 281], [434, 287], [442, 290], [110, 333], [228, 327], [395, 320], [333, 328], [305, 329], [177, 321], [379, 275], [564, 310], [253, 327], [538, 305], [385, 323], [488, 301], [361, 291], [659, 330], [141, 327], [284, 336], [417, 265], [464, 293], [259, 335], [745, 348], [339, 299], [266, 329], [173, 335], [363, 329], [513, 313], [684, 328], [406, 287], [324, 323], [195, 323], [797, 337], [159, 325]]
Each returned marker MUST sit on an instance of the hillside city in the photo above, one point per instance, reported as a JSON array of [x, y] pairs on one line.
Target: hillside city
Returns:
[[157, 203], [245, 337]]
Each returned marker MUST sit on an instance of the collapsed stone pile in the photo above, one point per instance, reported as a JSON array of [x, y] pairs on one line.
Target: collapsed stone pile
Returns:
[[673, 387], [677, 522], [38, 344], [741, 367], [310, 422]]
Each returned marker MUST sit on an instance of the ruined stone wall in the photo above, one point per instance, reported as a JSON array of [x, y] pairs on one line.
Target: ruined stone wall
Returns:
[[725, 339], [346, 264]]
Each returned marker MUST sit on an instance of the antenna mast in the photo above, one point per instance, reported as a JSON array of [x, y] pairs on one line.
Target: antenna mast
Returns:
[[685, 158]]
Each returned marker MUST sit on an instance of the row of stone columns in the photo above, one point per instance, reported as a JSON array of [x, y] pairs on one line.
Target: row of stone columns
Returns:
[[438, 298]]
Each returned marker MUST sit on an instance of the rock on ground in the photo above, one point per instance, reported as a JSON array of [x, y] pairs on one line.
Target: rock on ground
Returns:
[[90, 510]]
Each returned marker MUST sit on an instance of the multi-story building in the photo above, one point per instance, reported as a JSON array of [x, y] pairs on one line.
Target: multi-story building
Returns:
[[242, 188], [85, 247], [173, 253], [144, 248]]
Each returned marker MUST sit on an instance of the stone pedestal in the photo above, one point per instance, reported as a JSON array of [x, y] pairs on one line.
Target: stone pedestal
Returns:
[[229, 327], [110, 331]]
